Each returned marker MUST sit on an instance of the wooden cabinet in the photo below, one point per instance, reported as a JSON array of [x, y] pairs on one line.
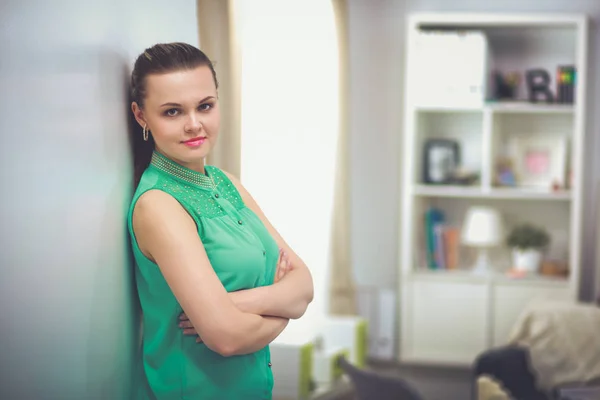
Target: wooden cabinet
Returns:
[[452, 320], [446, 321], [509, 301]]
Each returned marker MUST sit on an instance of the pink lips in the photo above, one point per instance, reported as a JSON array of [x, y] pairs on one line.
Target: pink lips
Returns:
[[195, 142]]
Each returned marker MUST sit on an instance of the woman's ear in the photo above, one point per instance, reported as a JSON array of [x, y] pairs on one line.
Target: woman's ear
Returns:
[[138, 114]]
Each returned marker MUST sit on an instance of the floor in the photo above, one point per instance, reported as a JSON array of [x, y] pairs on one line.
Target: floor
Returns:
[[433, 383]]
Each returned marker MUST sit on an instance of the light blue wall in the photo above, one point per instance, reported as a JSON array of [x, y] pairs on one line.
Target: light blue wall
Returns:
[[68, 314], [377, 35]]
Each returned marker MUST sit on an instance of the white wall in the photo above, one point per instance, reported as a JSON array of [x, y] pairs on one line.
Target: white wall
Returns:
[[68, 319], [377, 35], [376, 30]]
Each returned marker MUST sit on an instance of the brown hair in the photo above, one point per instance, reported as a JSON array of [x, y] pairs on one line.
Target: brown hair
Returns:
[[159, 59]]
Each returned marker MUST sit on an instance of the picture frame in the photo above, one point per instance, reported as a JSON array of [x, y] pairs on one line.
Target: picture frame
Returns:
[[441, 158], [540, 161]]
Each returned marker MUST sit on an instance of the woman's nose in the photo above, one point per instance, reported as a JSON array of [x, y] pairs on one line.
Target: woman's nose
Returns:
[[193, 124]]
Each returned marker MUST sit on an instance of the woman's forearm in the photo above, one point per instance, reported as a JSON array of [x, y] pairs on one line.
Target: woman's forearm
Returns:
[[287, 298], [258, 334]]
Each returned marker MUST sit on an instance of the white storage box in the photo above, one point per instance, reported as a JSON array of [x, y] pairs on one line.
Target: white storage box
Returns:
[[346, 332], [292, 366], [325, 365], [450, 69]]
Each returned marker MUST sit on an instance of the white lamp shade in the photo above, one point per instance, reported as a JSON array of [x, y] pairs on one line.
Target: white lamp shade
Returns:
[[482, 227]]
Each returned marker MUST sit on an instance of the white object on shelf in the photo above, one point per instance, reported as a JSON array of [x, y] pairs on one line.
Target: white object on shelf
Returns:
[[482, 229], [540, 160], [451, 68], [527, 260]]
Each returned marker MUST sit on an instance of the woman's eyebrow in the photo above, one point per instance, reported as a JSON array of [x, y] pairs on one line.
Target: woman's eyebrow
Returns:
[[179, 105]]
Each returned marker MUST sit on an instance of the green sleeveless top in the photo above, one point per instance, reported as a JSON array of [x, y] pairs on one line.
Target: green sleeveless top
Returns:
[[242, 253]]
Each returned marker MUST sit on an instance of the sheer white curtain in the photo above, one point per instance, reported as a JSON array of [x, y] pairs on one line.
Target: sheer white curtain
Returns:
[[218, 39], [289, 127]]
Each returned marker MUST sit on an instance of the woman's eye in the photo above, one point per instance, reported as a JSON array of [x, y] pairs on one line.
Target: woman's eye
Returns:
[[205, 106], [172, 112]]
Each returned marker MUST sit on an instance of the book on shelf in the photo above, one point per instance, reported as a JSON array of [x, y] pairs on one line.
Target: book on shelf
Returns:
[[442, 241]]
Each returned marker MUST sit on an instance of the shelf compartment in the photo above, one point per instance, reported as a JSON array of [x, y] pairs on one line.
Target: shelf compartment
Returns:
[[465, 127], [554, 216], [550, 135]]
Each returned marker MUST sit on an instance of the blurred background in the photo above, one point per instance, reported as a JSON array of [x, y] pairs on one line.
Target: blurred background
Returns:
[[313, 100]]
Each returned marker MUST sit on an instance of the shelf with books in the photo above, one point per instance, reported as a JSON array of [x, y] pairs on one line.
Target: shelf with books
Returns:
[[439, 244]]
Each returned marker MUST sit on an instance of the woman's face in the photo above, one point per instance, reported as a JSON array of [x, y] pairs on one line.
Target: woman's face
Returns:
[[182, 113]]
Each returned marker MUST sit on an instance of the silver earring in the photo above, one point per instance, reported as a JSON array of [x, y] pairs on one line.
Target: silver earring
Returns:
[[145, 133]]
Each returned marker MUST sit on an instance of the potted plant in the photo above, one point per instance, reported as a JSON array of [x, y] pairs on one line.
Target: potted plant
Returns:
[[527, 242]]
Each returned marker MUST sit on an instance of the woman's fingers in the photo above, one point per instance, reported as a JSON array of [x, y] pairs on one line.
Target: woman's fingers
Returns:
[[281, 266], [278, 268], [186, 324], [188, 328], [284, 265]]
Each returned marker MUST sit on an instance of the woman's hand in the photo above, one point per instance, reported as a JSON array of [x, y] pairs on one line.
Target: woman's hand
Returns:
[[283, 267], [188, 328]]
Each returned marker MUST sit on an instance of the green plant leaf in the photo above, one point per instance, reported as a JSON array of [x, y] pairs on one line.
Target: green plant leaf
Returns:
[[528, 236]]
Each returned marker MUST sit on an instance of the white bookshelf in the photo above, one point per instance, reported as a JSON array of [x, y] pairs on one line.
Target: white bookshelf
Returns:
[[449, 316]]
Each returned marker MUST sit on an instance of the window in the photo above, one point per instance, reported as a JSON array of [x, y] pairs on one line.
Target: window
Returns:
[[289, 128]]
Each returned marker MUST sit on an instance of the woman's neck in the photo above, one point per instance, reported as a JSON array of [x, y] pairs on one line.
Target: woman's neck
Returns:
[[194, 166]]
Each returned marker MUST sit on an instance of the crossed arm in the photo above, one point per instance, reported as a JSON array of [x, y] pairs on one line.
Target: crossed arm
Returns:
[[288, 297], [254, 301], [228, 323]]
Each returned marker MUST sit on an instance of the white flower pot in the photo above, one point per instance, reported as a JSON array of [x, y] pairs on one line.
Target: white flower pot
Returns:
[[527, 260]]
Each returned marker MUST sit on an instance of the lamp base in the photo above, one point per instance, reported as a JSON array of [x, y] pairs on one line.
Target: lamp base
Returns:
[[482, 264]]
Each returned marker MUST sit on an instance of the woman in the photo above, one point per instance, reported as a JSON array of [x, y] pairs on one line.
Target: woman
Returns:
[[216, 282]]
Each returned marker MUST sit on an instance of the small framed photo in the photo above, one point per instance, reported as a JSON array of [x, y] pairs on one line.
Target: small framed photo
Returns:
[[540, 160], [441, 158]]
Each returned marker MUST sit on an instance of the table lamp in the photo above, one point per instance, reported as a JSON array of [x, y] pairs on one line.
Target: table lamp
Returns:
[[482, 229]]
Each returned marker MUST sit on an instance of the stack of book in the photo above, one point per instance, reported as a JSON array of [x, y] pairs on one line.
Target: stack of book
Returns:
[[442, 241]]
